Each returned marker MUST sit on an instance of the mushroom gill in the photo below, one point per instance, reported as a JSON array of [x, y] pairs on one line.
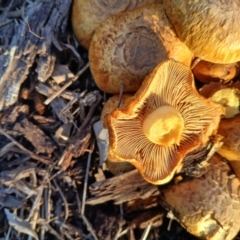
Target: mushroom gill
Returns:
[[210, 29], [170, 85]]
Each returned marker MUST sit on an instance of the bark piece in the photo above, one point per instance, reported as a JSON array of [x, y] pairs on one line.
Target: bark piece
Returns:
[[36, 136], [34, 38], [121, 189]]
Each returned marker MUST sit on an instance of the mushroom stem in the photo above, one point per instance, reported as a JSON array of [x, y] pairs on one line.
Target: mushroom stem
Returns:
[[164, 126]]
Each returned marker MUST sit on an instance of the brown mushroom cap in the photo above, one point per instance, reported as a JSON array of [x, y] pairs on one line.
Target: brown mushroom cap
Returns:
[[171, 84], [209, 28], [127, 47], [209, 206], [88, 14], [206, 71]]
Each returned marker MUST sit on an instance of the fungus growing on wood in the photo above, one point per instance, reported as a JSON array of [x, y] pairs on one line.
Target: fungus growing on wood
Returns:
[[88, 15], [229, 129], [208, 206], [129, 45], [210, 29], [165, 120], [206, 71]]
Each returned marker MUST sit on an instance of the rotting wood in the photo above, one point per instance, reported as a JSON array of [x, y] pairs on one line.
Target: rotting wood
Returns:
[[31, 132], [34, 38], [122, 188]]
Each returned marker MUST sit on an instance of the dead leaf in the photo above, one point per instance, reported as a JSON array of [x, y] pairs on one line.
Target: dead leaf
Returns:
[[19, 224]]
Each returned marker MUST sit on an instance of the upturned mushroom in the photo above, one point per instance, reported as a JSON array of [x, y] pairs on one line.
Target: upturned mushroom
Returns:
[[165, 120], [210, 29], [111, 104], [208, 206], [88, 15], [127, 47], [206, 71]]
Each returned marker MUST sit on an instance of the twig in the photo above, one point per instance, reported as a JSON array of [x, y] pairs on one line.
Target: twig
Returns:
[[121, 233], [56, 94], [36, 203], [146, 232], [5, 23], [120, 96], [31, 154], [64, 200], [29, 29], [89, 227], [89, 115], [86, 178]]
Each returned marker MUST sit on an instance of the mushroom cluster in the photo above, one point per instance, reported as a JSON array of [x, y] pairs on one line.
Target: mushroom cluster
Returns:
[[167, 55]]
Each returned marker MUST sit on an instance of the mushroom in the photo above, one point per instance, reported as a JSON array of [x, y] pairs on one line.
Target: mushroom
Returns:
[[210, 29], [165, 120], [111, 104], [229, 98], [206, 71], [226, 96], [229, 128], [84, 26], [127, 47], [208, 206]]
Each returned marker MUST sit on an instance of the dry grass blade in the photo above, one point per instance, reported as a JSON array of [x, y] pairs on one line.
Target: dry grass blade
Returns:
[[19, 224], [146, 232], [86, 178]]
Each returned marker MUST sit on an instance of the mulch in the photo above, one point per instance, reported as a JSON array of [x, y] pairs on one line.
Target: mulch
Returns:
[[52, 185]]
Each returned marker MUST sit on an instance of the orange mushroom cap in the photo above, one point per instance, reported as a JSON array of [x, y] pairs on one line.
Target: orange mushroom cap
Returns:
[[129, 45], [206, 71], [170, 84], [210, 29]]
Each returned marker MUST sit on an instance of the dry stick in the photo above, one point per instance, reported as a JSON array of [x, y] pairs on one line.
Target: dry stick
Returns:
[[85, 192], [146, 232], [89, 227], [89, 115], [125, 231], [5, 23], [64, 200], [29, 29], [36, 203], [56, 94], [120, 96], [31, 154], [86, 178]]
